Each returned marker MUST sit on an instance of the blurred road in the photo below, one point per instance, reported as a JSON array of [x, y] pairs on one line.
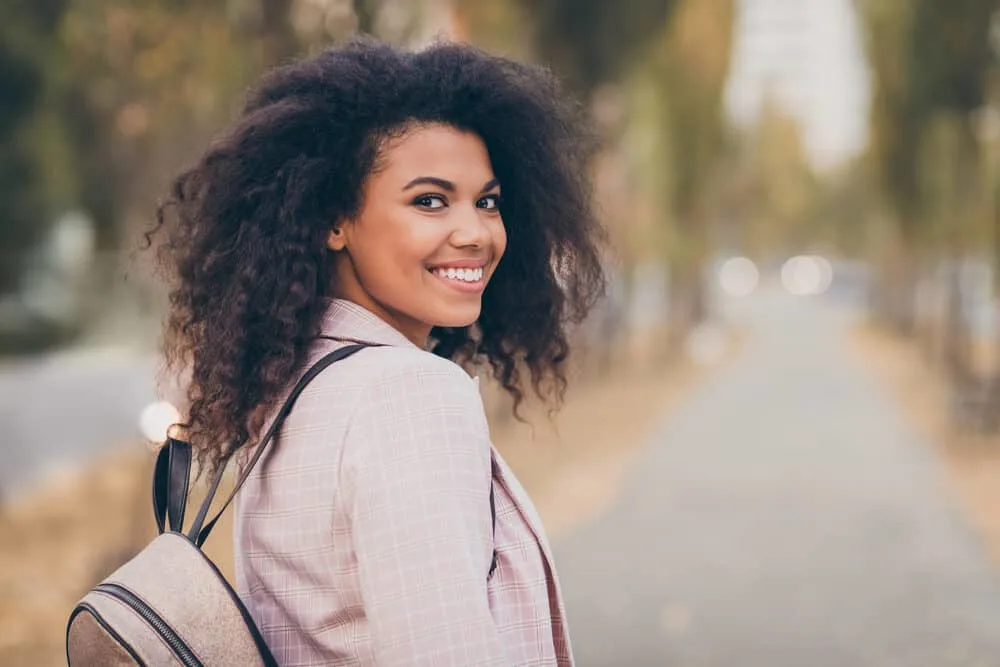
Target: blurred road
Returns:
[[785, 516], [62, 409]]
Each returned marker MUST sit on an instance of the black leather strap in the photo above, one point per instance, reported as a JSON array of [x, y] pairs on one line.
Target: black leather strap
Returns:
[[171, 477], [199, 534], [493, 515], [180, 477], [161, 486]]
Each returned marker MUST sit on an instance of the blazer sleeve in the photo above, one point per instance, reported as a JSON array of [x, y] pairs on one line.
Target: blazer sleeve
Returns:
[[418, 467]]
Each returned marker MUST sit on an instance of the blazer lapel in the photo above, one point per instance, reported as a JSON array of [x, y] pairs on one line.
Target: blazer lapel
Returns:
[[506, 478]]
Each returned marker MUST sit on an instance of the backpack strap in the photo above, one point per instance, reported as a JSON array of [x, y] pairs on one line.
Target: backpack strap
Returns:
[[170, 484], [493, 515], [199, 534]]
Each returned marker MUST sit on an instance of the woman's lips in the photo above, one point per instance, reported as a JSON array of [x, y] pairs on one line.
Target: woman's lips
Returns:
[[470, 278]]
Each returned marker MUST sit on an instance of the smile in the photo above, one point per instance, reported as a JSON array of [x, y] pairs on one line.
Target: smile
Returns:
[[461, 275]]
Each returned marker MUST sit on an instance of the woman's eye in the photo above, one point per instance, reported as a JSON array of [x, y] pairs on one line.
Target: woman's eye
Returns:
[[490, 202], [430, 201]]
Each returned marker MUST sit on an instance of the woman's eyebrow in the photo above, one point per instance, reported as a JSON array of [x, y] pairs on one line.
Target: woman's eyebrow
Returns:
[[430, 180], [445, 184]]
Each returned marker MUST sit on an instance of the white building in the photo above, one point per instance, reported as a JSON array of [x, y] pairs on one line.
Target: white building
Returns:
[[808, 57]]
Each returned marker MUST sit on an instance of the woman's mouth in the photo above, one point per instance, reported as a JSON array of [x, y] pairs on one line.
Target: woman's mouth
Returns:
[[464, 275], [465, 279]]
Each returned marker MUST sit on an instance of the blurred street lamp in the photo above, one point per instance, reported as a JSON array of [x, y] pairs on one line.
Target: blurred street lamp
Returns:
[[806, 275], [156, 419], [738, 276]]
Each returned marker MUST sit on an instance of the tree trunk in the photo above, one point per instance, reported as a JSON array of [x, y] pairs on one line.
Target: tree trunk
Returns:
[[894, 291], [687, 305], [956, 336], [278, 41], [366, 12]]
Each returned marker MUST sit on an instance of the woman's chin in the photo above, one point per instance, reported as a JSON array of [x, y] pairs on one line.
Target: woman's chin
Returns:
[[456, 318]]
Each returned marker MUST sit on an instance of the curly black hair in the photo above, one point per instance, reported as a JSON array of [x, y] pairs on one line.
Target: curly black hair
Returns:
[[246, 227]]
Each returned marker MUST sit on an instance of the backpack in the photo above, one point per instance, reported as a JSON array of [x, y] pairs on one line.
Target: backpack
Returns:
[[169, 604]]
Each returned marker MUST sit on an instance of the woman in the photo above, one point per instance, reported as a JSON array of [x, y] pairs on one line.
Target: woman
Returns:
[[433, 204]]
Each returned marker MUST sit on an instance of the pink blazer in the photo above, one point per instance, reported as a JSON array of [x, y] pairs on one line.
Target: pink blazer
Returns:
[[363, 537]]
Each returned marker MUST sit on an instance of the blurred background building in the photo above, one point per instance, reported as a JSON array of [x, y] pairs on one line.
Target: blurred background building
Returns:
[[809, 58]]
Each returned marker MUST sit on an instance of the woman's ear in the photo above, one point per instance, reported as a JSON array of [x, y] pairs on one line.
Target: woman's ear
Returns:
[[336, 240]]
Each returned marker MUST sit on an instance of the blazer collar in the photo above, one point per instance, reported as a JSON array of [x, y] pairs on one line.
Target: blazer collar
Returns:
[[347, 319], [506, 478]]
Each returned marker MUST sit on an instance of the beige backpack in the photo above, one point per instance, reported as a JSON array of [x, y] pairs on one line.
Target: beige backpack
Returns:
[[170, 605]]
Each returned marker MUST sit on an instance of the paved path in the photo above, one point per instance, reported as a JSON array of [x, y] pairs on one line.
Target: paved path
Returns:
[[785, 516], [65, 408]]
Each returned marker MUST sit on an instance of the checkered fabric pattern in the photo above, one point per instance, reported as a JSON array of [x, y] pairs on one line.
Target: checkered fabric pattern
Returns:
[[363, 536]]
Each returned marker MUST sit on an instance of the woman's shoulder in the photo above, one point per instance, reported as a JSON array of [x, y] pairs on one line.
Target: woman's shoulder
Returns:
[[411, 397], [400, 363], [400, 368]]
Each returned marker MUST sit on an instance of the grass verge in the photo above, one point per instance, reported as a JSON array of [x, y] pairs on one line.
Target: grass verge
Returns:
[[971, 463]]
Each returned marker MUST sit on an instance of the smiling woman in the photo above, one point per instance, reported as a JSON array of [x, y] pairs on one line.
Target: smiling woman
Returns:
[[358, 199]]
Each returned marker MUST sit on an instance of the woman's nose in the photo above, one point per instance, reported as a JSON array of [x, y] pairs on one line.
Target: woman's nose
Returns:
[[470, 228]]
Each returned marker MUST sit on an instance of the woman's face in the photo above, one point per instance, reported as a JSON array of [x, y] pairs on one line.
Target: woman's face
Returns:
[[428, 235]]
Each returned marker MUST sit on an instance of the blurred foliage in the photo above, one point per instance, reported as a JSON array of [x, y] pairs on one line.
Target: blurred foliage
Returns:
[[592, 42], [928, 59], [689, 68], [105, 99], [29, 190], [779, 194], [934, 146], [147, 74]]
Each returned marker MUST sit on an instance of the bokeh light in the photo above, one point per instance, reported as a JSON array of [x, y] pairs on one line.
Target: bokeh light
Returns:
[[156, 419], [738, 276], [806, 275]]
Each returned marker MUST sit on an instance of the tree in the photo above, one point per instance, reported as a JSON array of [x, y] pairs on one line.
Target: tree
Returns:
[[690, 65], [28, 186], [781, 193], [932, 63], [592, 42], [928, 58]]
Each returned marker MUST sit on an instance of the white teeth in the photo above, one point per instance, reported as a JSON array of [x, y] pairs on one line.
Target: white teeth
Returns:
[[465, 275]]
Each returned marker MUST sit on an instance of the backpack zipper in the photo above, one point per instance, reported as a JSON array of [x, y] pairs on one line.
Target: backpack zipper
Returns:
[[136, 604]]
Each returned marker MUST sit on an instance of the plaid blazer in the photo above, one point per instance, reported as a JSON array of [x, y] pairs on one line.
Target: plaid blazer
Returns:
[[364, 537]]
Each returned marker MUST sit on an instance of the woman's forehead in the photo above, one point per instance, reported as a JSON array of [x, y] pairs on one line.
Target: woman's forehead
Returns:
[[436, 150]]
